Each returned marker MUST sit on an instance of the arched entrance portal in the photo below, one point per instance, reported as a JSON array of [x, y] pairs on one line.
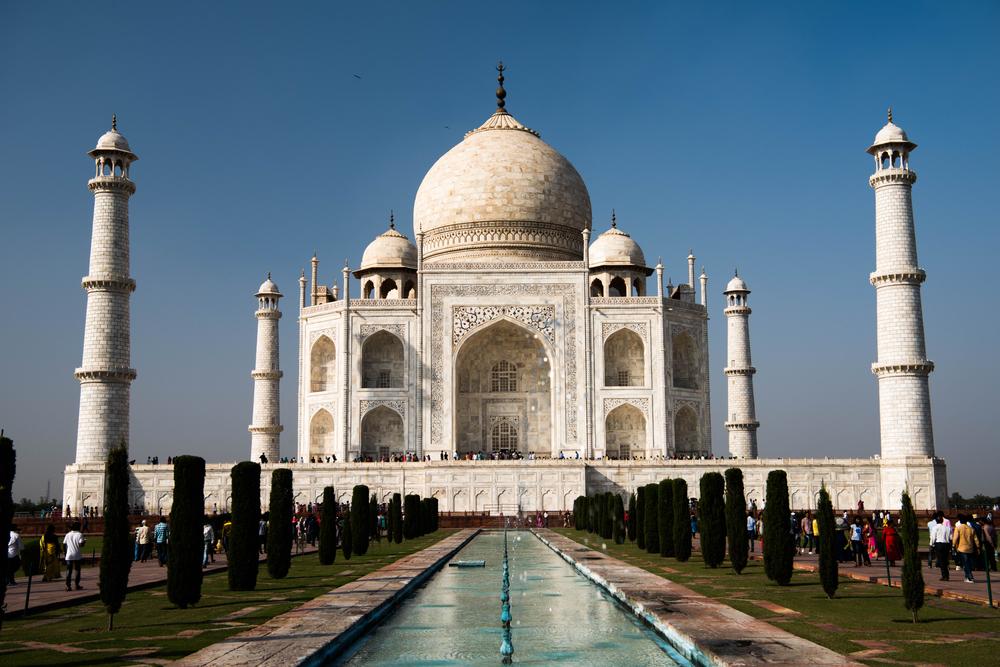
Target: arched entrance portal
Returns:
[[381, 433], [625, 432], [503, 392]]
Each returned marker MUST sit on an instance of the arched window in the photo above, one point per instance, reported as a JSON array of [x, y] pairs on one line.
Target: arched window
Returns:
[[503, 377], [686, 439], [388, 290], [369, 290], [625, 432], [322, 365], [382, 433], [596, 287], [321, 435], [624, 364], [638, 287], [382, 361], [503, 438], [617, 287], [409, 290], [685, 361]]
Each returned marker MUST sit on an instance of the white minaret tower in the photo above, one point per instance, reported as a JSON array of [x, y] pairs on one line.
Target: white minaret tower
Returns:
[[266, 427], [742, 423], [106, 375], [902, 367]]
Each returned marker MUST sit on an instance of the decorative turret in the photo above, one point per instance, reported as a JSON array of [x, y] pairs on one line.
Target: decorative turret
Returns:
[[389, 266], [742, 423], [106, 374], [902, 367], [617, 265], [266, 427]]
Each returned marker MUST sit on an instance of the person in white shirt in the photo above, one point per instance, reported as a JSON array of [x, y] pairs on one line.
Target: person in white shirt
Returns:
[[941, 541], [14, 549], [208, 537], [73, 546], [751, 530], [930, 533]]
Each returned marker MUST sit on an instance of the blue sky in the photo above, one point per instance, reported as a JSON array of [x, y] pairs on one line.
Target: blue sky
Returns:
[[736, 129]]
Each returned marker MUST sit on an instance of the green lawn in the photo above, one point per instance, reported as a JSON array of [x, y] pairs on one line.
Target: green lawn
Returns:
[[949, 632], [150, 627]]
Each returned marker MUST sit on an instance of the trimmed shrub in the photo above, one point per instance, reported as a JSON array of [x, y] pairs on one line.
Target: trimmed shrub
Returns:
[[652, 520], [243, 541], [425, 516], [594, 508], [346, 541], [736, 520], [373, 519], [828, 566], [779, 543], [913, 578], [397, 521], [630, 524], [609, 515], [665, 518], [682, 521], [186, 520], [8, 460], [117, 549], [712, 519], [434, 515], [359, 520], [328, 528], [577, 513], [640, 517], [619, 529], [411, 516], [279, 527]]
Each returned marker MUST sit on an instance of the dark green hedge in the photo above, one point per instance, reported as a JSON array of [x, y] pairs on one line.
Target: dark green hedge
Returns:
[[279, 527], [117, 549], [187, 516], [829, 574], [779, 543], [397, 521], [736, 520], [712, 519], [359, 520], [328, 527], [652, 518], [682, 521], [640, 517], [665, 517]]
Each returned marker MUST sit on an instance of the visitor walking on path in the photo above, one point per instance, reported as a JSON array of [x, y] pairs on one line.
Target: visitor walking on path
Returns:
[[807, 532], [989, 542], [941, 541], [858, 547], [161, 533], [893, 544], [73, 546], [751, 529], [965, 543], [208, 537], [142, 542], [930, 538], [49, 554], [871, 544], [14, 549]]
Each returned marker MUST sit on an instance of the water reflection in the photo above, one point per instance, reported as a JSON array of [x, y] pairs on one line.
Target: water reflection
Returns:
[[558, 616]]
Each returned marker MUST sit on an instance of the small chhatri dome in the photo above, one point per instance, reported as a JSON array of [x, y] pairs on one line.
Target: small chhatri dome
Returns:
[[268, 287], [891, 134], [112, 140], [736, 284], [390, 250], [616, 248], [502, 194]]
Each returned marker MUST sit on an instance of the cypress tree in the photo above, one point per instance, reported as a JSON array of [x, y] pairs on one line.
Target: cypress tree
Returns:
[[397, 522], [630, 527], [595, 514], [640, 517], [279, 527], [828, 566], [346, 537], [619, 531], [186, 520], [8, 460], [576, 513], [609, 515], [373, 518], [651, 516], [712, 519], [736, 520], [411, 517], [359, 520], [779, 543], [116, 551], [243, 541], [682, 521], [425, 516], [665, 518], [434, 515], [913, 578], [328, 528], [390, 519]]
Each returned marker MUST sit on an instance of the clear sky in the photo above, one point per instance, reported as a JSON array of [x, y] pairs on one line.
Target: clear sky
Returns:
[[735, 129]]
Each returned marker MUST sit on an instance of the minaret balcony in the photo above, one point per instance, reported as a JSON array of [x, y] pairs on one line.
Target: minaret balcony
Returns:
[[108, 284], [892, 175], [742, 425], [919, 367], [104, 374], [746, 370], [902, 276], [111, 183]]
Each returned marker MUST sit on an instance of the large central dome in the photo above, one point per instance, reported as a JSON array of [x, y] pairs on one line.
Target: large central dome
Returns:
[[502, 195]]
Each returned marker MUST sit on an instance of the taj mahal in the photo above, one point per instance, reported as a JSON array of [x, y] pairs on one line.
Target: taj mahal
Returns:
[[511, 353]]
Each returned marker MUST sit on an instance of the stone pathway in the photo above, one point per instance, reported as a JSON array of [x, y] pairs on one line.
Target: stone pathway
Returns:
[[53, 594], [317, 630], [697, 626]]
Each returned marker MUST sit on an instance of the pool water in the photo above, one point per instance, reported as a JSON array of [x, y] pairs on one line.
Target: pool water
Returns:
[[559, 617]]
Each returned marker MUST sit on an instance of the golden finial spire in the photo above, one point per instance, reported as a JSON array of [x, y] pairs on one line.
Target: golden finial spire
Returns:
[[501, 93], [114, 122], [392, 219], [890, 114], [614, 220]]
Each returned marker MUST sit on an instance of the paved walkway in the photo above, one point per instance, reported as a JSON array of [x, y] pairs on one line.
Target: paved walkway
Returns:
[[315, 632], [53, 594], [698, 626], [955, 588]]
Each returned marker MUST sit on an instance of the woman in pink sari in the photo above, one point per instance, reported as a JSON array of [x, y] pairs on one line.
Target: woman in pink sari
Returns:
[[868, 534]]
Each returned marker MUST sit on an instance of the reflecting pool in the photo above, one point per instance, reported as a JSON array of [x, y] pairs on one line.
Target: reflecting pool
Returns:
[[558, 616]]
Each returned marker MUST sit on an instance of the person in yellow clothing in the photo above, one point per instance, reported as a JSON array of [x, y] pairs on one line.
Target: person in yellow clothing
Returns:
[[966, 543], [49, 555]]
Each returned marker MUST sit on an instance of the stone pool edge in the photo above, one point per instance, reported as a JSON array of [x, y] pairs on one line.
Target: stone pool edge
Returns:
[[682, 641]]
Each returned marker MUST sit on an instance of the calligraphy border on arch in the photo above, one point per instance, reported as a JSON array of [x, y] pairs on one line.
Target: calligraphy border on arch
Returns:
[[641, 403], [568, 291], [608, 328], [329, 332], [397, 329], [399, 405]]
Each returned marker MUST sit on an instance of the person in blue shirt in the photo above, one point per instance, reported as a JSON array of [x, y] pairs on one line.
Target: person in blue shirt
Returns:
[[161, 535]]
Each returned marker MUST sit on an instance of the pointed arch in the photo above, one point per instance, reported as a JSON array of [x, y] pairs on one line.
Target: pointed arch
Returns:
[[687, 439], [322, 365], [596, 287], [382, 361], [368, 291], [685, 361], [624, 432], [617, 287], [382, 433], [388, 289], [624, 360], [409, 290], [321, 434]]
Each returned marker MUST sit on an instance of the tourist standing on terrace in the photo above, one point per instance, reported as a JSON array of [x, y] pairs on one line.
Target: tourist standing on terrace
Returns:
[[965, 543], [751, 529], [161, 534], [50, 554], [73, 545], [14, 549]]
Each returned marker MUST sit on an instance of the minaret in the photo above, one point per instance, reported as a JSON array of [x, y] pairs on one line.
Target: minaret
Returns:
[[266, 426], [704, 287], [106, 375], [691, 259], [742, 423], [902, 366]]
